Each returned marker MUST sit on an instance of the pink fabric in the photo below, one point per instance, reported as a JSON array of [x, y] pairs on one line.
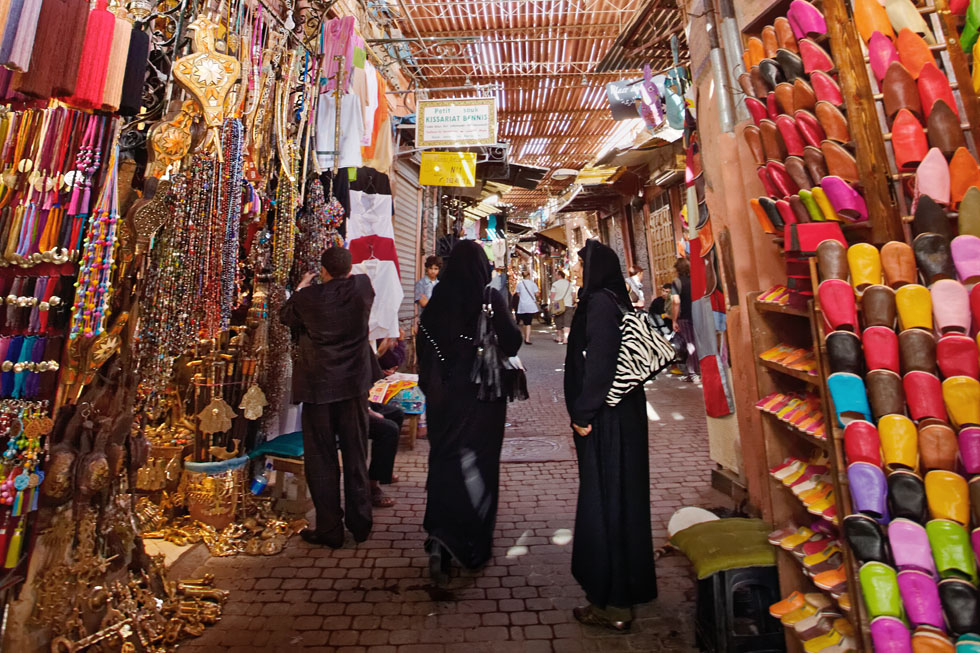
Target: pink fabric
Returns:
[[338, 40]]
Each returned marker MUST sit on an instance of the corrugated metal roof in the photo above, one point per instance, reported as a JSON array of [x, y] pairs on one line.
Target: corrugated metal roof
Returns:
[[550, 61]]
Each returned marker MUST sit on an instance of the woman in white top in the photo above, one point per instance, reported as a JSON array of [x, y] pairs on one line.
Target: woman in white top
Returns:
[[562, 306], [634, 285], [527, 305]]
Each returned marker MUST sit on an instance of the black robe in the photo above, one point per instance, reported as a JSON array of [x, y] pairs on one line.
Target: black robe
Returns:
[[465, 435], [612, 553]]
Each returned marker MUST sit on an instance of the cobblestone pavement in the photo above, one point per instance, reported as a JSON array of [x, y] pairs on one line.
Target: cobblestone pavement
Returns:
[[376, 597]]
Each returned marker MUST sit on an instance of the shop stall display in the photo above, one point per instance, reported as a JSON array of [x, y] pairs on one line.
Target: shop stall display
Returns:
[[161, 192], [867, 127]]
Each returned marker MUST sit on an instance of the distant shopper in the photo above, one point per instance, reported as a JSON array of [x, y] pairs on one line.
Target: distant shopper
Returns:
[[661, 309], [527, 304], [681, 315], [465, 434], [334, 371], [634, 284], [562, 306], [612, 553], [425, 285], [384, 429]]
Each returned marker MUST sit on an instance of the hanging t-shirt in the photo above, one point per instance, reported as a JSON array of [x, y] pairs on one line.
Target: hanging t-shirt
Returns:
[[499, 248], [351, 129], [370, 215], [382, 154], [383, 321], [338, 39], [371, 77], [368, 247]]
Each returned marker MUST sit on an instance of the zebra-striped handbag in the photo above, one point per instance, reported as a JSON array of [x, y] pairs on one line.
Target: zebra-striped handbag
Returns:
[[643, 352]]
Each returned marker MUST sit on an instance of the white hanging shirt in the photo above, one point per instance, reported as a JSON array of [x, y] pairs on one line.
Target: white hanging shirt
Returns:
[[351, 131], [372, 103], [383, 322], [370, 215], [499, 247]]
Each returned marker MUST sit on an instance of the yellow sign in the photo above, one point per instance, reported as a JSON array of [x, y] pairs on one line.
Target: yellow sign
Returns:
[[448, 169]]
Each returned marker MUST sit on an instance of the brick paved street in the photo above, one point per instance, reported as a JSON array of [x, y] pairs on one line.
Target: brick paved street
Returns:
[[376, 597]]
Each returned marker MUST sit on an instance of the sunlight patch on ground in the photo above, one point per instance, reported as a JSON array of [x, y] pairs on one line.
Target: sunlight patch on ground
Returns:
[[677, 417], [519, 549], [652, 413], [562, 537]]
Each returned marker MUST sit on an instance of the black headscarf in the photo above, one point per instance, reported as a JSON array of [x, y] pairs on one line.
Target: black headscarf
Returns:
[[457, 299], [601, 271]]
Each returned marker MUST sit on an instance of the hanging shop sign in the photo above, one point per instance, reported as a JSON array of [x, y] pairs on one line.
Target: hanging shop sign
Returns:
[[448, 169], [454, 123], [622, 97], [594, 175]]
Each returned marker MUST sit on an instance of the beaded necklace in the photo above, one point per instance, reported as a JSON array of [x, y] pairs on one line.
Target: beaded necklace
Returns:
[[93, 289], [230, 212]]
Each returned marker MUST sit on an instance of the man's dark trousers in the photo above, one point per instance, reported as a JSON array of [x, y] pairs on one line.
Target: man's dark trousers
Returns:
[[324, 425], [384, 432]]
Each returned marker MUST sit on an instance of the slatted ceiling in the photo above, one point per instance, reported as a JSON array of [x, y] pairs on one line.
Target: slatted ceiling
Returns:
[[544, 57]]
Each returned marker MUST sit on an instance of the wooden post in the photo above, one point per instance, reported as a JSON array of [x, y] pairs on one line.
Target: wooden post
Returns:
[[862, 116]]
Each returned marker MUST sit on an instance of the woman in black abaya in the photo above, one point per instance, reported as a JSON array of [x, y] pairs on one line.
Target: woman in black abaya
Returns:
[[612, 553], [465, 434]]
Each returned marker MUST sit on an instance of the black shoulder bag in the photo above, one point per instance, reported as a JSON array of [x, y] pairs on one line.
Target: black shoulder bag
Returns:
[[497, 376]]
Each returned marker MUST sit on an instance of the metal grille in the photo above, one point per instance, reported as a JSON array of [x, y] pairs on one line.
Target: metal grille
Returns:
[[405, 189], [662, 238]]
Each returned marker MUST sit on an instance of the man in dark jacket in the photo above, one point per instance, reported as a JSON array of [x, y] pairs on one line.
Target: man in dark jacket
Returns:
[[334, 371]]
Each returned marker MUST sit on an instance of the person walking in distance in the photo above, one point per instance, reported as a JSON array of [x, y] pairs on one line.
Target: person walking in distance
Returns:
[[465, 434], [562, 306], [634, 286], [527, 305], [682, 318], [334, 370], [612, 553]]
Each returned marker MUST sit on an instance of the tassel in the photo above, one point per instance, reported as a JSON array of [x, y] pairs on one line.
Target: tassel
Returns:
[[10, 31], [74, 21], [16, 542], [38, 79], [117, 64], [136, 62], [95, 58], [20, 56]]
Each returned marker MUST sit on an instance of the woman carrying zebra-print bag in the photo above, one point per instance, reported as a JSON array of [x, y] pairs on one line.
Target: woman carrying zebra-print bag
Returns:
[[612, 554]]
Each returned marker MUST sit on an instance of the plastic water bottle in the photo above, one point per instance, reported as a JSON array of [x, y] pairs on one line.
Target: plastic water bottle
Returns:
[[261, 480]]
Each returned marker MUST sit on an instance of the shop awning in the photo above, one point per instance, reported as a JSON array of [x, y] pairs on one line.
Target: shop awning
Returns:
[[554, 236]]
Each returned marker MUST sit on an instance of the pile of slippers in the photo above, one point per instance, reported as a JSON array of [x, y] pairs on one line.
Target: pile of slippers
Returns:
[[905, 385], [800, 139]]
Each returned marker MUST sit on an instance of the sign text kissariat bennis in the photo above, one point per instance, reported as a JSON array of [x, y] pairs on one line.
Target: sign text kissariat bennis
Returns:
[[456, 122]]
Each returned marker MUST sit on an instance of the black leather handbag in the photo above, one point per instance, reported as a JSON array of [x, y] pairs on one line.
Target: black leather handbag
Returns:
[[497, 375]]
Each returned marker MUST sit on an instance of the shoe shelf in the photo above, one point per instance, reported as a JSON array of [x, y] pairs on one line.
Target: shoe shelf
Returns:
[[772, 325], [838, 462], [806, 377], [809, 438], [873, 138], [781, 309]]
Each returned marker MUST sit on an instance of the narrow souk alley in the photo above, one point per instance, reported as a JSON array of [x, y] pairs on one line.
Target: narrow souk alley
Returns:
[[377, 597]]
